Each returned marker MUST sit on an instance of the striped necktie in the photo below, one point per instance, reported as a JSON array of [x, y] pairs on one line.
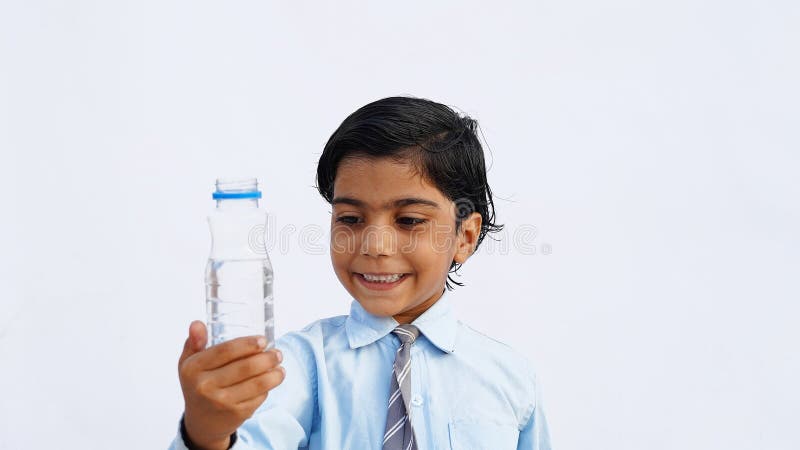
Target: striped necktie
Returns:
[[399, 434]]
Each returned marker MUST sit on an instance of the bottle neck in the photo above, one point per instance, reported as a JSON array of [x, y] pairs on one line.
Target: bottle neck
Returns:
[[231, 204]]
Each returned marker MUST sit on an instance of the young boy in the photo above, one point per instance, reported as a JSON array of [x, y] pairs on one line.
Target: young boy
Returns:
[[407, 182]]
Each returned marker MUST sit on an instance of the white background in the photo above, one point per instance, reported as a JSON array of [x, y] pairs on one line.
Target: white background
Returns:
[[653, 147]]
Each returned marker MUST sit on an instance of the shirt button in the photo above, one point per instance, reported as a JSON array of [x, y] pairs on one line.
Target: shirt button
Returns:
[[416, 400]]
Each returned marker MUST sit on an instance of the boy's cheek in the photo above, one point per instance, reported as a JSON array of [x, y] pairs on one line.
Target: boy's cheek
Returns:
[[440, 239], [342, 241], [420, 240]]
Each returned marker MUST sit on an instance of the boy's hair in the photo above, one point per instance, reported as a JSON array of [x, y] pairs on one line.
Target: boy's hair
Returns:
[[440, 145]]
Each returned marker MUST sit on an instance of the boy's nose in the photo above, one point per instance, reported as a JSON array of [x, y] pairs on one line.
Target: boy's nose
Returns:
[[378, 240]]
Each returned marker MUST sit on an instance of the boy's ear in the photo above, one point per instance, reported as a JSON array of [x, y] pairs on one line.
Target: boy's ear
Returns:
[[468, 237]]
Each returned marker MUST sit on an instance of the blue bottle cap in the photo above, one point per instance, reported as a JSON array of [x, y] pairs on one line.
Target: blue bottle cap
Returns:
[[236, 188]]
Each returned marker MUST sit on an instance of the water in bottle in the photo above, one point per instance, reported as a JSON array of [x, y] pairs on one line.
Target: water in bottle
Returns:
[[239, 277]]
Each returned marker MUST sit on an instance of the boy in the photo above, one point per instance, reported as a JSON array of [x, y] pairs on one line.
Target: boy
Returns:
[[407, 182]]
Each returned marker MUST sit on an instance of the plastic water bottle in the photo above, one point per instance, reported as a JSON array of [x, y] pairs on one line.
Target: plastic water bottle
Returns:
[[239, 277]]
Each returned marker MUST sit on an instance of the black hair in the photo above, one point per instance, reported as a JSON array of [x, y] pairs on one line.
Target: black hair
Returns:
[[439, 143]]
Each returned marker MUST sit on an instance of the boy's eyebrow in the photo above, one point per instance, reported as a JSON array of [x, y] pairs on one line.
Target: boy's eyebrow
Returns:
[[396, 203]]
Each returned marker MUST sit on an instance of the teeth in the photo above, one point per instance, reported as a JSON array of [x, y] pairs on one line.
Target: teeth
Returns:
[[383, 278]]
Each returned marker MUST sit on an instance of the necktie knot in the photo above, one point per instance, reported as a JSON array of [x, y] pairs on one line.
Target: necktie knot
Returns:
[[407, 333]]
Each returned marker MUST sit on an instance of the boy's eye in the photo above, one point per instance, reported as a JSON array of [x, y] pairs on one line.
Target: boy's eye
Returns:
[[411, 221], [349, 220]]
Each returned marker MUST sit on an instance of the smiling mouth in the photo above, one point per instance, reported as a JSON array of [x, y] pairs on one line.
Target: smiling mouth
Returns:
[[382, 277], [381, 281]]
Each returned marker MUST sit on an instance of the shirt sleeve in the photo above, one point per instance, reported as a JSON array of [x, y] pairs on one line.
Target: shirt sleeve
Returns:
[[285, 419], [534, 435]]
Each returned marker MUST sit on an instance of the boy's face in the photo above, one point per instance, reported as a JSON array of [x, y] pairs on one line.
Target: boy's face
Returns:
[[388, 221]]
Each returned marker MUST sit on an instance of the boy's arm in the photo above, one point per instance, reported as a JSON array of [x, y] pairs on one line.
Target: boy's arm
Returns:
[[284, 420], [534, 435]]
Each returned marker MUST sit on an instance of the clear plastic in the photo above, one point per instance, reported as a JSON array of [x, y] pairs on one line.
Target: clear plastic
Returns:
[[239, 300]]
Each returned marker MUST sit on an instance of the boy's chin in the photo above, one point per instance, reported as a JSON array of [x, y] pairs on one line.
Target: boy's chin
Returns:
[[380, 307]]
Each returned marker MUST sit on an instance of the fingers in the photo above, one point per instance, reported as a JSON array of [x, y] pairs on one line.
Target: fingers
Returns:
[[248, 367], [227, 352], [196, 341], [254, 387], [252, 404]]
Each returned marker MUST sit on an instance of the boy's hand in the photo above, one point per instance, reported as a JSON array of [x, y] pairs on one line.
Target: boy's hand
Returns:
[[224, 384]]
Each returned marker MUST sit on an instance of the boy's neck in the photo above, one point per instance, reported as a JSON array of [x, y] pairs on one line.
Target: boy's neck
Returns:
[[412, 314]]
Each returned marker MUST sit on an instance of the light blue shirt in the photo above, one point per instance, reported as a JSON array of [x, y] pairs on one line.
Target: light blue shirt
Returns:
[[469, 391]]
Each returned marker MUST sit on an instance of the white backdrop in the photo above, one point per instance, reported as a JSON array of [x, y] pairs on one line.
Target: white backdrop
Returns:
[[644, 156]]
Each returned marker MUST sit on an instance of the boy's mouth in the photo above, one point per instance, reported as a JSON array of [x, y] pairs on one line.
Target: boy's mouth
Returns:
[[381, 282]]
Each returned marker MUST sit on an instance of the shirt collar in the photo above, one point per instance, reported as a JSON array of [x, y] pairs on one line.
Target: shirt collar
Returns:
[[438, 324]]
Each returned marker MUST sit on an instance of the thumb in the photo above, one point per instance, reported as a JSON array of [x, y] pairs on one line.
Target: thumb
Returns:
[[196, 342]]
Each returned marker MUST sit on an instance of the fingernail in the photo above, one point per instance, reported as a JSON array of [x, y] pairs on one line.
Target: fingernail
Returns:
[[279, 355], [261, 342]]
